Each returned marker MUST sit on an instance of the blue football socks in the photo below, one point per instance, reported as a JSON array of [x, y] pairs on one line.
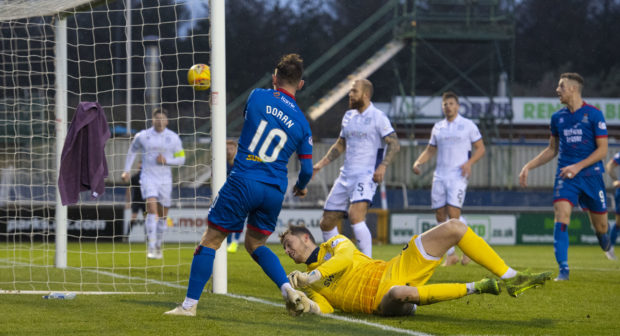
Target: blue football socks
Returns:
[[560, 244], [202, 267], [270, 264], [603, 240], [613, 234]]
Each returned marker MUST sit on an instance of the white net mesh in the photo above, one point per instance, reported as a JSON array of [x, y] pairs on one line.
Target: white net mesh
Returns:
[[105, 252]]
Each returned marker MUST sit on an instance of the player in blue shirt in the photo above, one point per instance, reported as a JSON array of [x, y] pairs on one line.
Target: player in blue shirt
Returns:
[[612, 167], [579, 135], [274, 129]]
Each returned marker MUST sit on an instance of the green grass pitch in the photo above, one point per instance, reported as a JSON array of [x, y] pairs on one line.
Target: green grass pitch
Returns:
[[588, 304]]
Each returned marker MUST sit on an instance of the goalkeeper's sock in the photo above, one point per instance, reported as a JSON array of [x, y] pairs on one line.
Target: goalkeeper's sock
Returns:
[[479, 251], [327, 235], [200, 272], [363, 237], [441, 292], [151, 229], [560, 244], [270, 264]]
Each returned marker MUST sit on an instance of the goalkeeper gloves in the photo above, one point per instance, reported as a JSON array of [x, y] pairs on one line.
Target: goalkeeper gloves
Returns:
[[301, 305], [302, 279]]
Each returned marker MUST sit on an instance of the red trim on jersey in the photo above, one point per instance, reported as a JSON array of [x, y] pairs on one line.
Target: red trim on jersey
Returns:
[[563, 199], [219, 228], [254, 228], [305, 156], [287, 93], [601, 136]]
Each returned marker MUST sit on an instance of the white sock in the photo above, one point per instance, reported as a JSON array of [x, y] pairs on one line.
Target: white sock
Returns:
[[161, 228], [189, 303], [471, 288], [451, 251], [327, 235], [286, 285], [510, 273], [151, 229], [363, 237]]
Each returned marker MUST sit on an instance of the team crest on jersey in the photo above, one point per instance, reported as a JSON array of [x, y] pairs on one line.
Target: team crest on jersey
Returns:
[[602, 125], [561, 121], [585, 118], [367, 121]]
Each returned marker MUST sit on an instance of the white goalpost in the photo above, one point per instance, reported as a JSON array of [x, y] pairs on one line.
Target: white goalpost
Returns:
[[130, 56]]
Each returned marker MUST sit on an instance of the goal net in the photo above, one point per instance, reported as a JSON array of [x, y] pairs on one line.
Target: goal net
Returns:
[[130, 57]]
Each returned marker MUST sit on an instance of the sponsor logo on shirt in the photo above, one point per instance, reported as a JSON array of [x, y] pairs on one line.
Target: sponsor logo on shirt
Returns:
[[337, 241], [602, 125]]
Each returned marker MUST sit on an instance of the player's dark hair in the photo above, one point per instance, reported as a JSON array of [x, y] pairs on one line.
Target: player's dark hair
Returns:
[[297, 230], [573, 76], [290, 69], [160, 110], [450, 94]]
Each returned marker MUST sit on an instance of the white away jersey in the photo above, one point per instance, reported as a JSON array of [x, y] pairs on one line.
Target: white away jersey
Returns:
[[364, 133], [151, 143], [453, 141]]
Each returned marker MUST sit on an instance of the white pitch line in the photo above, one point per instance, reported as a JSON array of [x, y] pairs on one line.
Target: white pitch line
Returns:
[[254, 299], [336, 317]]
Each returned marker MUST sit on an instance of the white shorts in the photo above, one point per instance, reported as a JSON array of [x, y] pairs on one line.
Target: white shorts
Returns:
[[448, 191], [161, 191], [350, 190]]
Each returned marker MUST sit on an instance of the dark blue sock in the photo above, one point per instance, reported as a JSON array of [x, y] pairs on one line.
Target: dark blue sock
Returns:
[[603, 240], [270, 264], [202, 267], [560, 244], [613, 235]]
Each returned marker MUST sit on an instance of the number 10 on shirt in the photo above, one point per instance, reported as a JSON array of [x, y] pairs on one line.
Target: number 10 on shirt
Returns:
[[262, 152]]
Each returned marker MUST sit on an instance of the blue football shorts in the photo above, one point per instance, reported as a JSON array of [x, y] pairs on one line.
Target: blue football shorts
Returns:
[[586, 191], [617, 198], [241, 198]]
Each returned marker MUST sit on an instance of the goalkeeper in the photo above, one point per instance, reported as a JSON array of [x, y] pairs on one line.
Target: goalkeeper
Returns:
[[340, 276]]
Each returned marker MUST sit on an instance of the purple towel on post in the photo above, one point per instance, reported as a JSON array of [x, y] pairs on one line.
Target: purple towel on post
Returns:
[[83, 164]]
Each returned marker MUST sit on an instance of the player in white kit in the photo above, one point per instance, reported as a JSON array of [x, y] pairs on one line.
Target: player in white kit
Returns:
[[364, 129], [161, 148], [451, 139]]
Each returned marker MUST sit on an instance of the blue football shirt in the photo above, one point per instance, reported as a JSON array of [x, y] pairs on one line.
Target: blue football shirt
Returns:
[[274, 128], [577, 133]]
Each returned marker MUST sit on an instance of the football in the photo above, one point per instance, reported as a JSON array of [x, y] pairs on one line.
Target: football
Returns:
[[199, 77]]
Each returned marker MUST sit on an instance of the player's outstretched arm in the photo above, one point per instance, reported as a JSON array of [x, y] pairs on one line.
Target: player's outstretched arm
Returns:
[[599, 154], [334, 152], [393, 146], [479, 151], [426, 155], [610, 167], [543, 157]]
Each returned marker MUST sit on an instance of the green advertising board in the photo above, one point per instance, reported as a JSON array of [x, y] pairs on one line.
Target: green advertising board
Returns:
[[537, 228]]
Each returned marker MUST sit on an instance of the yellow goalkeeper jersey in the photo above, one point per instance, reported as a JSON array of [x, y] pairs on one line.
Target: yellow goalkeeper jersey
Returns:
[[350, 279]]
